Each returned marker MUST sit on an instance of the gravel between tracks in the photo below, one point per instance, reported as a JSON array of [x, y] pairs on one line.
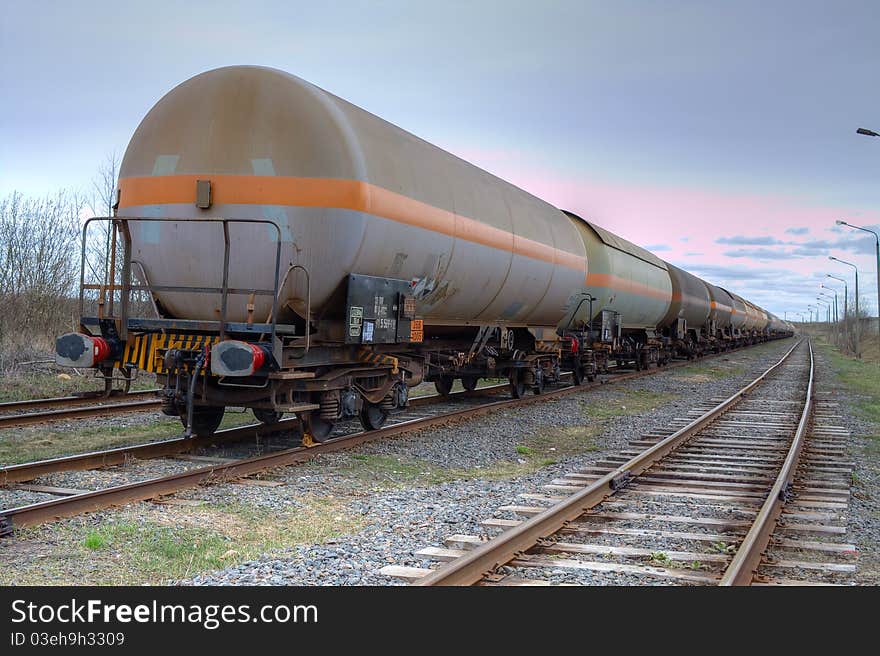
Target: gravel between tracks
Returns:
[[403, 520]]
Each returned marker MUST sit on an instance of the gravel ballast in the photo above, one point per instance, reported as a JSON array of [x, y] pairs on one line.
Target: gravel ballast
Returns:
[[403, 520]]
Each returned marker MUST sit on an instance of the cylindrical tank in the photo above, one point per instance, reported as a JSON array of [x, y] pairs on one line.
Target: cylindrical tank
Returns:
[[351, 193], [722, 306], [739, 314], [690, 299], [624, 278]]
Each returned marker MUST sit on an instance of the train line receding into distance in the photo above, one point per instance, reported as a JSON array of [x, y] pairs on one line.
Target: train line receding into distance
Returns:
[[40, 411], [730, 492], [78, 502]]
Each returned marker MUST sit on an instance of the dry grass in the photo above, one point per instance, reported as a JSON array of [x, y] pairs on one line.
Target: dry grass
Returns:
[[155, 544]]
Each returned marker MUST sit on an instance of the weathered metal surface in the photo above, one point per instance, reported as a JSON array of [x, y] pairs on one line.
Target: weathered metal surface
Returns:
[[352, 193], [690, 299], [722, 306], [624, 278]]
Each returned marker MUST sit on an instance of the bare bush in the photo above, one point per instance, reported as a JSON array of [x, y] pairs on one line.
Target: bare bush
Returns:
[[39, 273]]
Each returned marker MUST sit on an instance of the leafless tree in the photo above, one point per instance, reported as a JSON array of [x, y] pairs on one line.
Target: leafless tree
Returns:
[[39, 243]]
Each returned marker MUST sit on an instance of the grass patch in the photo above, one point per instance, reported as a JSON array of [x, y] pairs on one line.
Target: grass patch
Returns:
[[172, 544], [716, 369], [859, 376], [625, 402], [94, 541]]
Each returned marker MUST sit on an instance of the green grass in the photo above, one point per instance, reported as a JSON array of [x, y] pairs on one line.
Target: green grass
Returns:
[[861, 377], [171, 543], [94, 541]]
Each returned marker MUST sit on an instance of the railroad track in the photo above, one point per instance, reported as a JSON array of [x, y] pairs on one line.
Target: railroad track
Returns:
[[751, 489], [40, 411], [74, 501]]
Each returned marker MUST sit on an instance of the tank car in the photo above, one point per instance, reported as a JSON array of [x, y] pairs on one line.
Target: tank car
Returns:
[[687, 321], [302, 255]]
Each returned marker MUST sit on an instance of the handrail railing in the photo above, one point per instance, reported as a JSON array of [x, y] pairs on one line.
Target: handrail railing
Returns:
[[120, 225]]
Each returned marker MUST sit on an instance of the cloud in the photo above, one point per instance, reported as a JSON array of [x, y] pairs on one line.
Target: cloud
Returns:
[[797, 231], [810, 252], [761, 254], [658, 247], [741, 240], [692, 254]]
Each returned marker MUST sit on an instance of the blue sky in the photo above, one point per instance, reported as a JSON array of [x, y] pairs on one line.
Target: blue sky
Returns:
[[596, 105]]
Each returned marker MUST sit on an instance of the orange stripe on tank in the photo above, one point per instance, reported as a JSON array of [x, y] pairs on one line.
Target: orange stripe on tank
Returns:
[[342, 194], [629, 286]]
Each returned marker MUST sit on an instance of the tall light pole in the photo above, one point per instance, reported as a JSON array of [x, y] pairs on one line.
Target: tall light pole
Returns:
[[858, 321], [826, 305], [811, 308], [833, 291], [845, 292], [830, 300], [836, 315], [877, 250]]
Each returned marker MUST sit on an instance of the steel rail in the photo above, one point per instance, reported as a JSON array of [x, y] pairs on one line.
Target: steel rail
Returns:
[[472, 567], [42, 512], [745, 563], [28, 471], [23, 472], [77, 413], [60, 401]]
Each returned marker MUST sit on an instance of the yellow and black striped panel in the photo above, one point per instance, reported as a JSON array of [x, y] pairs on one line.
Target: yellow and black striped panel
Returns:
[[147, 352], [365, 355]]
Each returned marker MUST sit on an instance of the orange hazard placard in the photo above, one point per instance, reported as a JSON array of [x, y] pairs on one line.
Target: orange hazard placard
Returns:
[[417, 330]]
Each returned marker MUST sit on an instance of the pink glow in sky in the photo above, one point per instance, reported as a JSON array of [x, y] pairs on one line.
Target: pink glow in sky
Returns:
[[771, 249]]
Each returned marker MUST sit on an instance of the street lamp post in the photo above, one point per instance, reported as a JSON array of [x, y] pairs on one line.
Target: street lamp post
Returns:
[[830, 300], [826, 305], [836, 315], [845, 328], [877, 250], [858, 330]]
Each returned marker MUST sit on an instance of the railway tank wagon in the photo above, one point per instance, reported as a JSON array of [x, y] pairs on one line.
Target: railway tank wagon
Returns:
[[688, 321], [628, 292], [721, 315], [304, 256]]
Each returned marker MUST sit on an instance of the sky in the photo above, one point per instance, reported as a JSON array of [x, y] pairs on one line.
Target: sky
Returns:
[[720, 135]]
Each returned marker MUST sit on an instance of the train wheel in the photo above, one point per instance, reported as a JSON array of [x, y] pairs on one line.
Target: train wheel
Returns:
[[538, 387], [318, 428], [443, 385], [267, 417], [517, 385], [205, 419], [469, 382], [372, 416]]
